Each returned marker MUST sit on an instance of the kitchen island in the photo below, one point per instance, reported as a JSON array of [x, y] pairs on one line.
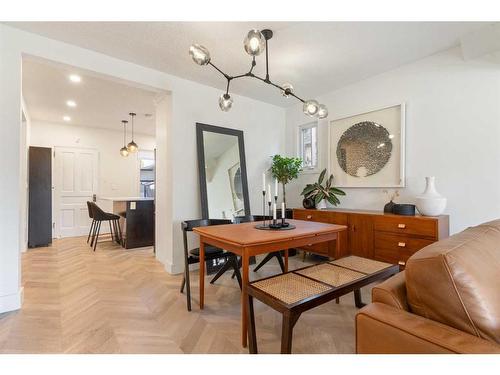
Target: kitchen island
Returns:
[[137, 219]]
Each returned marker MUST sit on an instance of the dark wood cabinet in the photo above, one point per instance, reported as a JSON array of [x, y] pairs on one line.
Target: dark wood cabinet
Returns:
[[40, 196], [376, 235]]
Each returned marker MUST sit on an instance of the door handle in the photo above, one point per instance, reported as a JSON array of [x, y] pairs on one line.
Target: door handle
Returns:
[[401, 226], [401, 263], [309, 217], [402, 244]]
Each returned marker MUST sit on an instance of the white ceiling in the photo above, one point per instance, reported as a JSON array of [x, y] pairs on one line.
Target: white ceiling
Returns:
[[101, 101], [316, 57]]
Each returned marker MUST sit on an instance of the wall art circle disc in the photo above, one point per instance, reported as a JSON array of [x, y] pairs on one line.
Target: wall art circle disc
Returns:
[[364, 149]]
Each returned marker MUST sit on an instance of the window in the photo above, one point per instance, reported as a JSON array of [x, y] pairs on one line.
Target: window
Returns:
[[308, 146]]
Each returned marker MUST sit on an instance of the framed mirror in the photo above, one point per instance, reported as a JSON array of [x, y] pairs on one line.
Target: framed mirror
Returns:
[[222, 172]]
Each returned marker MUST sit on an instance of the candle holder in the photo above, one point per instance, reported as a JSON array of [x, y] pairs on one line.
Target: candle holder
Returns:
[[264, 206]]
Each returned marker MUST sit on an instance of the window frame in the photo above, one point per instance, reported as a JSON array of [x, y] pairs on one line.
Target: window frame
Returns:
[[299, 145]]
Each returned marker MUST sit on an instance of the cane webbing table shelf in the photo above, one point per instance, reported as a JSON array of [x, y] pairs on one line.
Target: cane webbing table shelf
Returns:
[[295, 292]]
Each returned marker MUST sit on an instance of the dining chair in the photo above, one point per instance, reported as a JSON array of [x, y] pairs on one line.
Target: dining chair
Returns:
[[211, 252], [268, 257], [114, 222]]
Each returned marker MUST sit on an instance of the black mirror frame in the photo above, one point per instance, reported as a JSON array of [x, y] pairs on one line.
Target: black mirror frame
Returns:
[[200, 128]]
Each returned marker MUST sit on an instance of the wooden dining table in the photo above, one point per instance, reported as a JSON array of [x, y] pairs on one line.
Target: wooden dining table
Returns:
[[246, 240]]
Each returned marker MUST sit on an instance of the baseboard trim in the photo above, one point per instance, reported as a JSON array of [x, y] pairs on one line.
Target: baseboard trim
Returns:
[[12, 302]]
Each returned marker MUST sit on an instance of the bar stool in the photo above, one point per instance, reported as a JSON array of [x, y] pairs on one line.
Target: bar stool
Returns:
[[114, 222]]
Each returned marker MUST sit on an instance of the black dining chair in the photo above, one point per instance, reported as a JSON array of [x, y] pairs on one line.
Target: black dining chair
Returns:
[[114, 222], [211, 252], [268, 257]]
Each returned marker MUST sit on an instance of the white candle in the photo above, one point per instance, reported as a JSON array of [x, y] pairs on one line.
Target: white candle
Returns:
[[282, 210], [264, 181], [269, 198], [275, 187], [274, 211]]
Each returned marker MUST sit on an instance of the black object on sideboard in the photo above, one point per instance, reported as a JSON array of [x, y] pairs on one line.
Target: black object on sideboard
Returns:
[[40, 196]]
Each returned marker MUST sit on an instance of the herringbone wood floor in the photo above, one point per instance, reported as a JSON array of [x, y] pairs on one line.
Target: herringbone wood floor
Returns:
[[122, 301]]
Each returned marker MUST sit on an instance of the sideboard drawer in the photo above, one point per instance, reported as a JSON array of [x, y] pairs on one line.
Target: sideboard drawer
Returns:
[[406, 225], [312, 215], [401, 243]]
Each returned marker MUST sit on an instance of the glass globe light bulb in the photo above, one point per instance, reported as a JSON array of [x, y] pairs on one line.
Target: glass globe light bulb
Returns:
[[124, 151], [287, 89], [199, 54], [225, 102], [132, 147], [311, 107], [254, 43], [322, 111]]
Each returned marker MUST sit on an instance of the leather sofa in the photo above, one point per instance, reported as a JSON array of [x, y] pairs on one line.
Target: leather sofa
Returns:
[[446, 301]]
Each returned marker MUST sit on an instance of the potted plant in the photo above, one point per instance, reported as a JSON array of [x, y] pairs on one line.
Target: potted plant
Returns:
[[319, 193], [285, 170]]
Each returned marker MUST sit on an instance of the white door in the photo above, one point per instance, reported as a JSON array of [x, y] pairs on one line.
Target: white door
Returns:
[[75, 183]]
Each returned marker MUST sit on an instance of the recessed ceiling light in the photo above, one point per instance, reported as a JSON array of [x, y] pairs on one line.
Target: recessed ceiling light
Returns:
[[66, 118], [75, 78], [71, 103]]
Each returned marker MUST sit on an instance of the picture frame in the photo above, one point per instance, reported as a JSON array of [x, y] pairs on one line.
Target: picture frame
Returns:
[[367, 149]]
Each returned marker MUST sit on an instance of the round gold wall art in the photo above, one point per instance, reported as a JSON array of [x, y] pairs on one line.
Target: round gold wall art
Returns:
[[364, 149]]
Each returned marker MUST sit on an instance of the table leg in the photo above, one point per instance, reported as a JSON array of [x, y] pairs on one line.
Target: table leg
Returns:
[[244, 299], [202, 274], [357, 299], [286, 260], [252, 338]]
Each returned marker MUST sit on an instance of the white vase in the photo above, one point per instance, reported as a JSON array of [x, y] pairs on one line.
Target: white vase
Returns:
[[321, 205], [430, 203]]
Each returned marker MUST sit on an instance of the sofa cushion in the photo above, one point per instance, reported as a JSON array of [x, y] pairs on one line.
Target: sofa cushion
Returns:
[[456, 281]]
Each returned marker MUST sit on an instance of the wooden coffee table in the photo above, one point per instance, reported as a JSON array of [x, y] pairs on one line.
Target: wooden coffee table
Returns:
[[295, 292]]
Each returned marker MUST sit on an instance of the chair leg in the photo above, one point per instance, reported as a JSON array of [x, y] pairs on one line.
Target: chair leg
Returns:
[[110, 230], [280, 261], [120, 235], [188, 287], [90, 230], [97, 235], [236, 267], [252, 338], [268, 257], [96, 224], [223, 269]]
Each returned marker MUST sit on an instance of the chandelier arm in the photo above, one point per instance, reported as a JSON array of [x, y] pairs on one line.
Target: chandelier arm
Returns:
[[277, 86], [220, 71]]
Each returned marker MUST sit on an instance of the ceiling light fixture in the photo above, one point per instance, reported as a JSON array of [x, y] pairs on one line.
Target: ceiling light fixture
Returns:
[[75, 78], [254, 44], [124, 150], [66, 118], [132, 146], [71, 103]]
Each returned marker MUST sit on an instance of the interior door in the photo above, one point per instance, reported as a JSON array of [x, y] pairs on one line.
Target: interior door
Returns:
[[75, 183]]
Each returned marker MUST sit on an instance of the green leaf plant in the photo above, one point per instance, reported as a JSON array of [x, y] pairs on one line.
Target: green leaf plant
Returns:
[[318, 192], [285, 170]]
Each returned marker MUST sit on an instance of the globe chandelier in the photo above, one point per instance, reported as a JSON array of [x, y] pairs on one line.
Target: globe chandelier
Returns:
[[254, 44]]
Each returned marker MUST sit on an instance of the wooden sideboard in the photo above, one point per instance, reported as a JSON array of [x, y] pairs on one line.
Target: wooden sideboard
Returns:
[[377, 235]]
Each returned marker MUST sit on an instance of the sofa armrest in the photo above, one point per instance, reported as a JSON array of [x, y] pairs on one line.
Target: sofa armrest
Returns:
[[382, 329]]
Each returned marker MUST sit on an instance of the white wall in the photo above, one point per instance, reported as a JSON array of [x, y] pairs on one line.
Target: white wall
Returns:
[[452, 132], [177, 195], [118, 176]]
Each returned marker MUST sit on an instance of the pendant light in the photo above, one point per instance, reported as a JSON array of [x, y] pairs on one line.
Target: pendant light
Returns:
[[123, 150], [256, 43], [132, 146]]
